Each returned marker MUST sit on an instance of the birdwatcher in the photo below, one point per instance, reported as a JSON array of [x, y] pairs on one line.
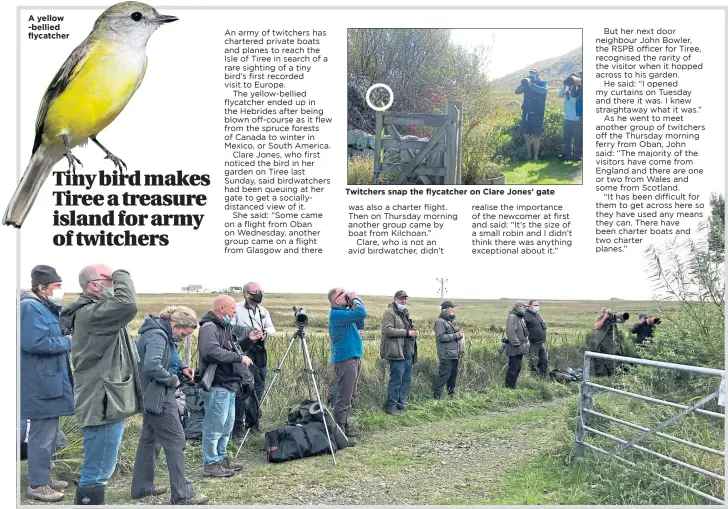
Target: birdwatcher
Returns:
[[347, 309], [645, 328], [87, 93], [450, 349], [106, 376], [46, 383], [399, 347], [517, 344], [161, 367], [534, 91], [537, 354], [217, 354], [604, 341], [252, 326]]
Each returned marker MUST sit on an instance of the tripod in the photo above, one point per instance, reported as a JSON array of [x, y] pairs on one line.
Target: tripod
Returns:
[[300, 336]]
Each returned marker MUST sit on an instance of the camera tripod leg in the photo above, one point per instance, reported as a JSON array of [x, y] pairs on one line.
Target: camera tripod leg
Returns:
[[307, 359], [276, 372]]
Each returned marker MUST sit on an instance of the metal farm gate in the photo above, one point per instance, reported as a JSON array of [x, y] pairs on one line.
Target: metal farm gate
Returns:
[[437, 161], [586, 409]]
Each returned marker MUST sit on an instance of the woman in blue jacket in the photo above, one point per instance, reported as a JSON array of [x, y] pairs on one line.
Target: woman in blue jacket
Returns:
[[46, 383]]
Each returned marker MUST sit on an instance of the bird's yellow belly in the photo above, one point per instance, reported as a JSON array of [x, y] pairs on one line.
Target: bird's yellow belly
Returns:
[[94, 97]]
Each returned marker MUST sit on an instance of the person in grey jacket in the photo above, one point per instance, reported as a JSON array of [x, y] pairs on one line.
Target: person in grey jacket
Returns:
[[106, 382], [517, 346], [449, 349], [160, 367]]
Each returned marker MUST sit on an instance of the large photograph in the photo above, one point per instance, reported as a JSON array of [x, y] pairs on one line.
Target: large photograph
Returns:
[[464, 106]]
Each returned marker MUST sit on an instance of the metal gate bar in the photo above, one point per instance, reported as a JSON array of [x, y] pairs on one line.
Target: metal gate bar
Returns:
[[587, 389], [653, 400], [664, 478], [659, 434], [679, 463]]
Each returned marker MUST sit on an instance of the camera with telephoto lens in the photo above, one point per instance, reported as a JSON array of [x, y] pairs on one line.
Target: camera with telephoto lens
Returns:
[[300, 317], [525, 82], [656, 320], [617, 315]]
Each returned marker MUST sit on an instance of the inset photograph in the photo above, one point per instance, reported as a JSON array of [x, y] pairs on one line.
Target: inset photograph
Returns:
[[464, 106]]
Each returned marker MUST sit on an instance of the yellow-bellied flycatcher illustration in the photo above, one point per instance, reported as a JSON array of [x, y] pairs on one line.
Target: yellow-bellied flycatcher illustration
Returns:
[[87, 93]]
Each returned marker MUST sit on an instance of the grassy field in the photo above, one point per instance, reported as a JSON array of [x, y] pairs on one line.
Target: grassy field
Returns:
[[489, 445], [544, 172]]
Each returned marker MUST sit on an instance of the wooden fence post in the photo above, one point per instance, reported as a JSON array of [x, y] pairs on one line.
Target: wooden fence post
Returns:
[[378, 156]]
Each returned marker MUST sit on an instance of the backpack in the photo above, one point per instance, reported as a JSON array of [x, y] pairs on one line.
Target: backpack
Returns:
[[194, 412], [250, 412], [309, 411]]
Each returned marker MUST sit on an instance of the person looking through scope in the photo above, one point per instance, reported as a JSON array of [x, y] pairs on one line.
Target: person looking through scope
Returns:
[[346, 349], [604, 340]]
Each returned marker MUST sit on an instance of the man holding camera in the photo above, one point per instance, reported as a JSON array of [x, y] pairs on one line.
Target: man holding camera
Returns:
[[450, 349], [516, 342], [252, 325], [537, 355], [604, 340], [571, 92], [220, 364], [399, 347], [645, 328], [534, 104], [346, 350]]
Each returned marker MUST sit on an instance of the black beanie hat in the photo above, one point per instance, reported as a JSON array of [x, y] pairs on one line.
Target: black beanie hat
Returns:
[[43, 275]]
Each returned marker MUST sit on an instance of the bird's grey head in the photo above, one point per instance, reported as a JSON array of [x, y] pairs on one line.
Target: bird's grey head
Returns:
[[132, 22]]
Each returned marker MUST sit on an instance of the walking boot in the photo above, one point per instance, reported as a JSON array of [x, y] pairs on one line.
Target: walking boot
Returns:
[[229, 465], [57, 484], [216, 470], [195, 499], [44, 494], [155, 492], [94, 495], [351, 431]]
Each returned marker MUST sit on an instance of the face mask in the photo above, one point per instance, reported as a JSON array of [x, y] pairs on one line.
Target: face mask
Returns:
[[57, 295], [401, 307], [256, 298], [535, 309], [452, 317], [226, 319], [533, 77], [108, 292]]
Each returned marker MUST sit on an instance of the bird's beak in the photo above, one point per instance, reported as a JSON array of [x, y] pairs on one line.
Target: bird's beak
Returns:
[[161, 19]]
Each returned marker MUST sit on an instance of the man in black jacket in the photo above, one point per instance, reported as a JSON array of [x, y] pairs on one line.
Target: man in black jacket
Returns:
[[537, 355], [216, 352], [645, 328]]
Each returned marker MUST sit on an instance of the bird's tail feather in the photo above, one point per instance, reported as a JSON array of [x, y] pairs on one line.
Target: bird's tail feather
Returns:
[[30, 185]]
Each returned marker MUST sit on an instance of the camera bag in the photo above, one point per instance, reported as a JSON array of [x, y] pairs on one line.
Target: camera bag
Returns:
[[297, 441]]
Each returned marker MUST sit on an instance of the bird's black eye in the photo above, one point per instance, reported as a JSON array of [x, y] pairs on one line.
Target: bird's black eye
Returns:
[[136, 16]]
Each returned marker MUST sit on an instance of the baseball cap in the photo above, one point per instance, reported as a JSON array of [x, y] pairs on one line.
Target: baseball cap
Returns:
[[447, 304], [400, 295], [644, 315]]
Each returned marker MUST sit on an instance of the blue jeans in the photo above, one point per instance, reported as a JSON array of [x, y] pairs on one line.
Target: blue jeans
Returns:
[[400, 377], [219, 404], [100, 452]]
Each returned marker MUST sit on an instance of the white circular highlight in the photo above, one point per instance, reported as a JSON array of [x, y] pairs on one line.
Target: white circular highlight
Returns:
[[380, 108]]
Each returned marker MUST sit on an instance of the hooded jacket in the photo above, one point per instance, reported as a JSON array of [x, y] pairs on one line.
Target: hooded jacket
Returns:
[[46, 381], [448, 345], [156, 347], [105, 360], [247, 320], [516, 333], [396, 344], [214, 346]]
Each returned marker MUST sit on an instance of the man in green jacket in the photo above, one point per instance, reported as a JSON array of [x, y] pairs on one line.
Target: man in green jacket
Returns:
[[399, 347], [517, 342], [106, 376]]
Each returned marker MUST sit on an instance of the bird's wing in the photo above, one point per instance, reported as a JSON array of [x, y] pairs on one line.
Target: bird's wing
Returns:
[[63, 77]]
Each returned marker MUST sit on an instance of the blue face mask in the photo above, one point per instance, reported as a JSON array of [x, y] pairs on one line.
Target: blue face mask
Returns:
[[401, 307], [533, 77], [226, 319], [535, 309]]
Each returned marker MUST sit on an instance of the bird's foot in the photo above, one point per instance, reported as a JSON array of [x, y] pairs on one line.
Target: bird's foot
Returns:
[[72, 160], [117, 161]]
